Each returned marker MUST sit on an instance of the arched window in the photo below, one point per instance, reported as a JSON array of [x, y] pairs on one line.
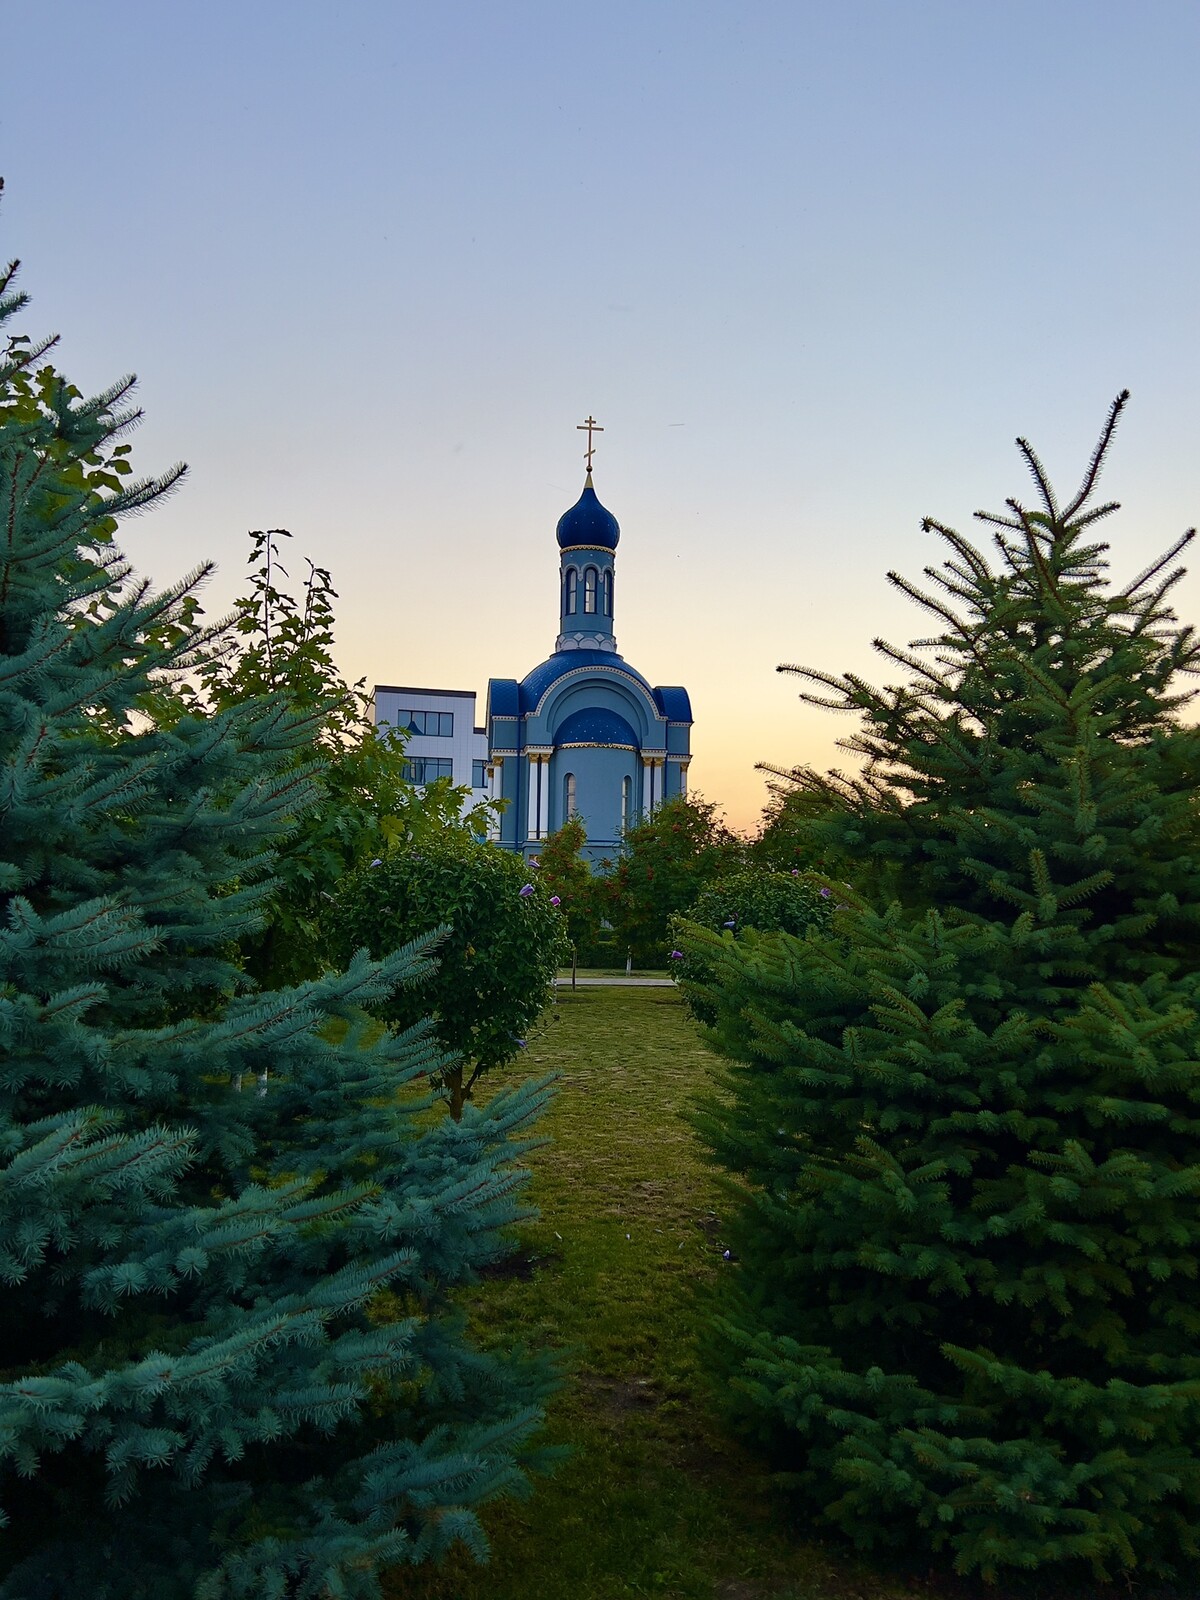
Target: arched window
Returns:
[[570, 591], [568, 797], [606, 594], [589, 590], [626, 799]]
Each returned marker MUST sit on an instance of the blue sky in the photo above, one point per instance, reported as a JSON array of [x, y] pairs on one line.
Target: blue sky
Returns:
[[812, 266]]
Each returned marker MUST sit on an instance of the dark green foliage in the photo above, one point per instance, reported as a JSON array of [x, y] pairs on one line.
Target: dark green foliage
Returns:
[[740, 906], [229, 1219], [565, 874], [495, 964], [365, 801], [785, 840], [966, 1130], [667, 860]]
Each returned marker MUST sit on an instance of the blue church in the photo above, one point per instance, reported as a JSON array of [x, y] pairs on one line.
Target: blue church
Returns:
[[583, 734]]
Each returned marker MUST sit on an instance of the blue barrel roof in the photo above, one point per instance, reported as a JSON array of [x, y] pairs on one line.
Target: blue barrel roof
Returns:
[[596, 725], [588, 522], [535, 683], [673, 703]]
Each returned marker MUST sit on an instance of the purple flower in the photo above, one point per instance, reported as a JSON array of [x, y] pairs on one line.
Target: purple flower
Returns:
[[825, 893], [526, 891], [676, 955], [726, 1255], [554, 900], [521, 1043], [732, 923], [377, 862]]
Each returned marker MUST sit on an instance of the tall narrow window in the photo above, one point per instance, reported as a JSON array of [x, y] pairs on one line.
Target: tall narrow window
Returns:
[[626, 797], [571, 594], [568, 797], [606, 594], [589, 590]]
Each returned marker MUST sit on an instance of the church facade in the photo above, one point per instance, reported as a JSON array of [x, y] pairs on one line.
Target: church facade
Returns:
[[584, 734]]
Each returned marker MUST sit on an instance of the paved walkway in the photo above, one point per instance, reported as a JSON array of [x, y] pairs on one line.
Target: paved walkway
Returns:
[[617, 983]]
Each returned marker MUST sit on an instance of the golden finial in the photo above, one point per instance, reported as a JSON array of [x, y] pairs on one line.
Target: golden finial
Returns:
[[591, 426]]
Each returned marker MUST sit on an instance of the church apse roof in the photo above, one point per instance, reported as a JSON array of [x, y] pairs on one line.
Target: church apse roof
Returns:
[[674, 704]]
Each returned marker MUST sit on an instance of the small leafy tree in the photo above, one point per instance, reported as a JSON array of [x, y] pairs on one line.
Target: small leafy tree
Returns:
[[667, 860], [229, 1363], [566, 875], [366, 801], [966, 1126], [742, 905], [501, 944]]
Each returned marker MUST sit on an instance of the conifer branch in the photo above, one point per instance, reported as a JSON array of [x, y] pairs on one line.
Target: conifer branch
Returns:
[[1098, 455]]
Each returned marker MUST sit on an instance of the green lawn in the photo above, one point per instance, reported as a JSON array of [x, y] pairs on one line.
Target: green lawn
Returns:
[[655, 1499], [616, 972]]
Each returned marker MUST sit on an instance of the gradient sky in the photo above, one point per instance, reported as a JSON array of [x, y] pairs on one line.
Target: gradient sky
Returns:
[[813, 266]]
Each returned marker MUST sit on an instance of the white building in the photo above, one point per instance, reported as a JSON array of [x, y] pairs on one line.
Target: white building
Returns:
[[443, 739]]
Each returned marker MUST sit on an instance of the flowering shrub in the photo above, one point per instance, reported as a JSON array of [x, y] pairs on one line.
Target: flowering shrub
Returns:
[[767, 902], [495, 965]]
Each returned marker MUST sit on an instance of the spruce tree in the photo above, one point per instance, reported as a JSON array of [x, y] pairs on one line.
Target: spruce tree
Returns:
[[230, 1220], [964, 1137]]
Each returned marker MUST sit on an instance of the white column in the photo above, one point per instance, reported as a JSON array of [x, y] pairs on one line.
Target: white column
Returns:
[[544, 809], [647, 774], [532, 810]]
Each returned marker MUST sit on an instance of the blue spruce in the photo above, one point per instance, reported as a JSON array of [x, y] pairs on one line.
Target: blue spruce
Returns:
[[230, 1223], [963, 1131]]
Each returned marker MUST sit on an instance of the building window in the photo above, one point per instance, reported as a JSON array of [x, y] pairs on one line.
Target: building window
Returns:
[[479, 774], [626, 799], [568, 796], [430, 724], [589, 590], [571, 592], [606, 591], [426, 769]]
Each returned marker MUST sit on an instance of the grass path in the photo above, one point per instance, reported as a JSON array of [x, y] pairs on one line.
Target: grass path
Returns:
[[655, 1500]]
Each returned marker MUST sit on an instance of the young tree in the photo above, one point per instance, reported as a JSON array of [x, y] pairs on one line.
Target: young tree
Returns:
[[501, 943], [967, 1123], [229, 1366], [366, 802], [667, 860], [567, 877]]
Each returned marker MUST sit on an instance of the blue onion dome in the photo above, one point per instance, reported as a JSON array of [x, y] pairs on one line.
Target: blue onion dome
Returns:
[[587, 522]]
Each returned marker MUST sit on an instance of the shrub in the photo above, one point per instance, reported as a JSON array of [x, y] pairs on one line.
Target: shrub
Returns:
[[667, 859], [501, 946], [749, 902]]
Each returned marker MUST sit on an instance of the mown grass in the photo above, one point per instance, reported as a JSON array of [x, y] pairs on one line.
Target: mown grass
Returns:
[[655, 1499], [616, 972]]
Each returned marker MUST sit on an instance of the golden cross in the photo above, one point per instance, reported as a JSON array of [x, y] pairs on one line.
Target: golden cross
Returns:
[[590, 426]]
